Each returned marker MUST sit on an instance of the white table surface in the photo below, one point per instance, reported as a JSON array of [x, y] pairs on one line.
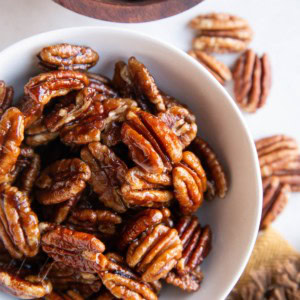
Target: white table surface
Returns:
[[276, 24]]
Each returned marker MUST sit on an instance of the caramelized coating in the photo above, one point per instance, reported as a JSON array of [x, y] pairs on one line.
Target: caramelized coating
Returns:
[[68, 57], [6, 97], [62, 180], [189, 180], [212, 166], [102, 85], [122, 80], [111, 135], [19, 228], [153, 145], [108, 172], [196, 243], [155, 253], [11, 137]]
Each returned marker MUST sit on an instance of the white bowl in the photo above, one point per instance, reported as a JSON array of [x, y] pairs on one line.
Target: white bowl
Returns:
[[235, 219]]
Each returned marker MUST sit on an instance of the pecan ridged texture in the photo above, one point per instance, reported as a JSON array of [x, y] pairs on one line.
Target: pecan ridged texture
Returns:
[[6, 96], [155, 253], [62, 180], [153, 145], [107, 174], [190, 183], [122, 81], [68, 57], [221, 33], [252, 81], [218, 69], [217, 183]]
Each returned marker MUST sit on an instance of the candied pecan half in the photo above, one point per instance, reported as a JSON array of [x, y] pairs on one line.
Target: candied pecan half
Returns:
[[274, 200], [68, 57], [155, 253], [182, 122], [122, 81], [140, 223], [218, 69], [62, 180], [11, 137], [46, 86], [152, 144], [221, 33], [19, 228], [68, 295], [6, 96], [189, 180], [217, 182], [28, 288], [252, 81], [147, 189], [196, 242], [108, 172], [144, 84]]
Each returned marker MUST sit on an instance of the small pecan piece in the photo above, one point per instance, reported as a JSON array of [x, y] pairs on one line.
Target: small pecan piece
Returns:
[[217, 181], [11, 137], [111, 135], [182, 122], [68, 295], [189, 180], [146, 189], [218, 69], [6, 97], [152, 144], [196, 241], [108, 172], [155, 253], [221, 33], [68, 57], [19, 228], [252, 81], [274, 200], [62, 180]]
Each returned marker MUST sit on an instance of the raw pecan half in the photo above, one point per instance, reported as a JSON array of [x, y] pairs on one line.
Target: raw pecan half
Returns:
[[6, 96], [274, 200], [152, 144], [217, 182], [221, 33], [108, 172], [68, 57], [252, 80], [196, 241], [218, 69], [147, 189], [155, 253], [62, 180], [19, 228], [189, 180]]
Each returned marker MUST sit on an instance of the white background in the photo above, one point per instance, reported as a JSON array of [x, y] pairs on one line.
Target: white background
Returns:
[[277, 31]]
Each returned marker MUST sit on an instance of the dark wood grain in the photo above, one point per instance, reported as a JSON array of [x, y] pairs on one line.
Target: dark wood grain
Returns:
[[129, 11]]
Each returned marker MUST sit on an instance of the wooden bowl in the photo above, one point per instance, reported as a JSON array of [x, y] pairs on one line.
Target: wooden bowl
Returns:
[[128, 11]]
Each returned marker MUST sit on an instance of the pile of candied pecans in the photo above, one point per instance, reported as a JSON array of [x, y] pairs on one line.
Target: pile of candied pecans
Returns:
[[100, 179]]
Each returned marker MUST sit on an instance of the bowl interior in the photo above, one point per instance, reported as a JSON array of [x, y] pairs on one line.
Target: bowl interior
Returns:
[[234, 220]]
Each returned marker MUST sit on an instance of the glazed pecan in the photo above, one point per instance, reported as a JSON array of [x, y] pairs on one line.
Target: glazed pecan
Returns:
[[28, 288], [275, 153], [122, 81], [252, 81], [152, 144], [218, 69], [189, 180], [68, 57], [274, 200], [11, 137], [62, 180], [68, 295], [155, 253], [141, 223], [196, 242], [6, 97], [19, 228], [217, 181], [182, 122], [108, 172], [111, 135], [221, 33], [146, 189]]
